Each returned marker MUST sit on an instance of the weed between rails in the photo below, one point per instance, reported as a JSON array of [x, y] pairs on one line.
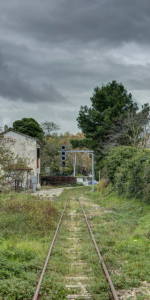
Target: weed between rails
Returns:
[[98, 286], [74, 262]]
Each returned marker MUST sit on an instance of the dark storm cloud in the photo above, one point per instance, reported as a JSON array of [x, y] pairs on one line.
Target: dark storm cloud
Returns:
[[15, 88], [57, 51], [108, 21]]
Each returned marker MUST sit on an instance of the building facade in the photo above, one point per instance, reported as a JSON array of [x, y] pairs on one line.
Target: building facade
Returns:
[[25, 146]]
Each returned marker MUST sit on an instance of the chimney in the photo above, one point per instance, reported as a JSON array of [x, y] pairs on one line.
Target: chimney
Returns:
[[5, 128]]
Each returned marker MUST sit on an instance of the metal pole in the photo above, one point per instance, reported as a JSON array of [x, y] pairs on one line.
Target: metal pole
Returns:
[[75, 165], [99, 175], [92, 172], [77, 151]]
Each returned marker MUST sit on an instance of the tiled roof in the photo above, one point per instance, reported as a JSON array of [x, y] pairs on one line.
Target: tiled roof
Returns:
[[17, 167], [25, 135]]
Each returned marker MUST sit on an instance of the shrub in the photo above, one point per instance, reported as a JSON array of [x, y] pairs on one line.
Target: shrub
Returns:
[[102, 184], [128, 169], [116, 158]]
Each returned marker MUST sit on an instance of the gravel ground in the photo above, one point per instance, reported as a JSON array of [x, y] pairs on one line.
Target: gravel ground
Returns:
[[48, 193]]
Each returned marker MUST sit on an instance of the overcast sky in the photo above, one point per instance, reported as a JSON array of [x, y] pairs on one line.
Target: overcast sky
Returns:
[[53, 53]]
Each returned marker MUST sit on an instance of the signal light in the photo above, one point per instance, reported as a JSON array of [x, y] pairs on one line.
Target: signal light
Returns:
[[63, 155], [63, 163]]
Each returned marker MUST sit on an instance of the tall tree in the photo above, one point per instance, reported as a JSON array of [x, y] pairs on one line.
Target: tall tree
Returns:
[[108, 103], [28, 126], [49, 127], [132, 129]]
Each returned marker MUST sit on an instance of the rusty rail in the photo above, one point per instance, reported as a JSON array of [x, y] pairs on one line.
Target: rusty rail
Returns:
[[35, 297], [100, 257]]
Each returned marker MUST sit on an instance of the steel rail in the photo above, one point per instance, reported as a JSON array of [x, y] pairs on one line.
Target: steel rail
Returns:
[[100, 257], [35, 297]]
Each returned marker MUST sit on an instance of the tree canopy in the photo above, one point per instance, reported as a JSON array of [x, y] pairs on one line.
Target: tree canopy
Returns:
[[49, 128], [28, 126], [107, 104], [132, 129]]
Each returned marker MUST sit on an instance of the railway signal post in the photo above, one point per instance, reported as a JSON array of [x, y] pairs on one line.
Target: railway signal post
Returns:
[[63, 148], [63, 155]]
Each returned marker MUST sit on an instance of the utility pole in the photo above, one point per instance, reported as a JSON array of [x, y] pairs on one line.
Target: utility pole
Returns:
[[92, 171], [75, 165]]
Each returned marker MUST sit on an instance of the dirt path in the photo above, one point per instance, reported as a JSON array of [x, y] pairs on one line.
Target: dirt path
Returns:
[[48, 193], [51, 194]]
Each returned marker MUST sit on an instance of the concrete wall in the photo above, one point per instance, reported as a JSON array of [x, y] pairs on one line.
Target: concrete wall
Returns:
[[25, 147], [82, 179]]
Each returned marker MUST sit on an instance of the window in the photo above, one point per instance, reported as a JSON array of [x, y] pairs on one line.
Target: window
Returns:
[[38, 157], [38, 152], [38, 163]]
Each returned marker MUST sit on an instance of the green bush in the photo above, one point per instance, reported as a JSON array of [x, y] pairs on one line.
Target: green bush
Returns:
[[102, 184], [128, 169], [116, 158]]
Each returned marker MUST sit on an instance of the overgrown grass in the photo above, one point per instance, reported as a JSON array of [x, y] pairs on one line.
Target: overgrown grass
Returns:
[[27, 227], [121, 227], [122, 230]]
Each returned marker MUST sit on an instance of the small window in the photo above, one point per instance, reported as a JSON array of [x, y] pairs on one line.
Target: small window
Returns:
[[38, 165], [38, 152]]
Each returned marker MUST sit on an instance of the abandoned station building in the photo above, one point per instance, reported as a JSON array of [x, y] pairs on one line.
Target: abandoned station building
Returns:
[[26, 147]]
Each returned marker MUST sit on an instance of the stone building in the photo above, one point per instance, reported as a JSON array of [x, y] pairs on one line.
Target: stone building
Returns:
[[26, 147]]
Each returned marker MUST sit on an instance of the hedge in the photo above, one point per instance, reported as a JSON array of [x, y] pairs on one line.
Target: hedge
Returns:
[[128, 169]]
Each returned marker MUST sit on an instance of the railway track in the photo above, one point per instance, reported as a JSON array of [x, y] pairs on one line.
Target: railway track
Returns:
[[71, 237]]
